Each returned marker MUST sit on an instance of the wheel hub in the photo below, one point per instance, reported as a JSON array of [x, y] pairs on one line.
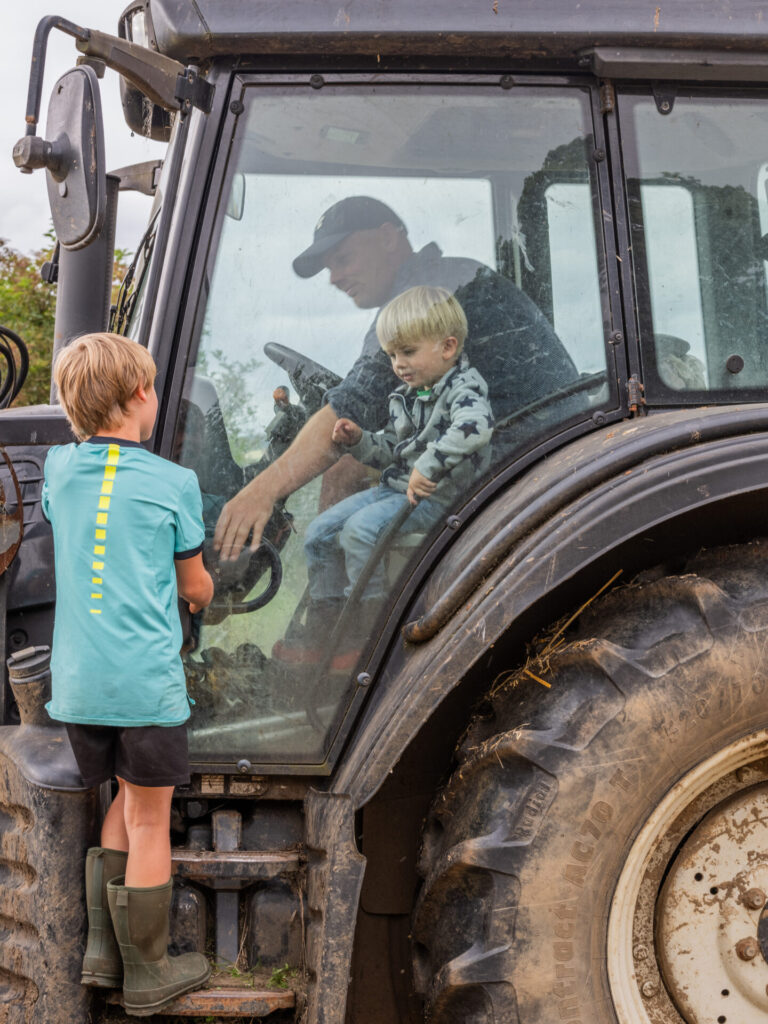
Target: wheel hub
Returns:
[[689, 921], [710, 914]]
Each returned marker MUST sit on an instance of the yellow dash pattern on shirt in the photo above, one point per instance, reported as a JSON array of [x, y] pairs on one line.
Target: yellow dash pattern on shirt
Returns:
[[102, 520]]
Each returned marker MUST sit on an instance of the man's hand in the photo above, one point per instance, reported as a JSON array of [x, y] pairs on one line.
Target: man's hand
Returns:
[[346, 433], [248, 512], [311, 453], [419, 486]]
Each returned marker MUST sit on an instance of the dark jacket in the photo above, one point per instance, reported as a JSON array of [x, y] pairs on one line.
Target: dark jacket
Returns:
[[511, 343]]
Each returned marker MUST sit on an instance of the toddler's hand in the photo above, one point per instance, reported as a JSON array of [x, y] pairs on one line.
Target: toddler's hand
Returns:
[[346, 433], [419, 486]]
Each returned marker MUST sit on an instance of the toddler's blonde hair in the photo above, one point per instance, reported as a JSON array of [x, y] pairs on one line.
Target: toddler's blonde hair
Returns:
[[95, 377], [419, 314]]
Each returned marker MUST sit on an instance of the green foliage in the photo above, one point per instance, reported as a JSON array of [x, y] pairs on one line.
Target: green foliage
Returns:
[[28, 307], [238, 403], [281, 976]]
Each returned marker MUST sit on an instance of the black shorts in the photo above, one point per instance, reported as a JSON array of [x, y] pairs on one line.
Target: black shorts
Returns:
[[146, 755]]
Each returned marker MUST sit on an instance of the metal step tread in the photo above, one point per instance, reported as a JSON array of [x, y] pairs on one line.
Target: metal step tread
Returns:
[[248, 995], [246, 864]]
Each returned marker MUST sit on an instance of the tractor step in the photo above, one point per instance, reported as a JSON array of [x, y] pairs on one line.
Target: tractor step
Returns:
[[234, 866], [225, 996]]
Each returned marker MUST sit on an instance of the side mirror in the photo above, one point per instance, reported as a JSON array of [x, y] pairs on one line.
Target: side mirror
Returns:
[[142, 115], [73, 156]]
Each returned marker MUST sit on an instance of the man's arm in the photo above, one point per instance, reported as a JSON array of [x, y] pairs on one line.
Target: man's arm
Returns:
[[310, 454], [361, 397]]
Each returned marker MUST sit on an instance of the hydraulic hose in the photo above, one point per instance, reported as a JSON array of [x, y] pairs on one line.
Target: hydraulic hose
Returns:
[[14, 365]]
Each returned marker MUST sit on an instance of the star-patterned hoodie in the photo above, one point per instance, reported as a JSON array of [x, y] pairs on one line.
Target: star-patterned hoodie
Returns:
[[445, 433]]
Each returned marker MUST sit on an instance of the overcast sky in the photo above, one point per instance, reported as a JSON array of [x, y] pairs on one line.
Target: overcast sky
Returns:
[[24, 214]]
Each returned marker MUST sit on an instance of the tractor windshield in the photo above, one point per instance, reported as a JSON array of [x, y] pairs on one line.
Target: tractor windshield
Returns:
[[469, 214]]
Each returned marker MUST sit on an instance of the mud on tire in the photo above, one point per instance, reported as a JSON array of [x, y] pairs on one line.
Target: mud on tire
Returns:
[[523, 847]]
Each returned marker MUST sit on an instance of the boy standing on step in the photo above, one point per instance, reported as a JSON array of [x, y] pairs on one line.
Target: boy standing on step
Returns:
[[128, 534]]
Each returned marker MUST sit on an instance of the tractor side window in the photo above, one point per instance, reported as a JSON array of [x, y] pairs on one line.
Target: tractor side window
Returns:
[[423, 265], [696, 186], [674, 279]]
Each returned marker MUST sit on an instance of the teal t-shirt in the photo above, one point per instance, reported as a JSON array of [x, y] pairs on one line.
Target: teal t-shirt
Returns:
[[120, 518]]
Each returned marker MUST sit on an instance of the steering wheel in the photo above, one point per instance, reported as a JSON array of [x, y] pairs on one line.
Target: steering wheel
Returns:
[[310, 379], [234, 580]]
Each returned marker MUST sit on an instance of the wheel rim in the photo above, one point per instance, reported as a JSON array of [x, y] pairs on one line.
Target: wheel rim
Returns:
[[690, 893]]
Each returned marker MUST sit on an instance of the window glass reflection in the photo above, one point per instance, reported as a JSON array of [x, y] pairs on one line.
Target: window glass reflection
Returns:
[[359, 231]]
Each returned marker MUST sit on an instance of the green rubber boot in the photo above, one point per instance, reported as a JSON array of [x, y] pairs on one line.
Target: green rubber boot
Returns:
[[102, 963], [151, 978]]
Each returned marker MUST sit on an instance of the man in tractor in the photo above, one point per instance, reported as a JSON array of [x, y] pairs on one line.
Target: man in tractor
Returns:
[[364, 245]]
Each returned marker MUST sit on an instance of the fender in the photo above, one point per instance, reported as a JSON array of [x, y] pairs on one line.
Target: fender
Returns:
[[566, 515]]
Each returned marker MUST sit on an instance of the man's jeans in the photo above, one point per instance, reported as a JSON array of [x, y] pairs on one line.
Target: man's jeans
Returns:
[[339, 542]]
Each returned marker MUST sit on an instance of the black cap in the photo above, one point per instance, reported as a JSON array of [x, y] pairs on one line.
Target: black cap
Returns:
[[355, 213]]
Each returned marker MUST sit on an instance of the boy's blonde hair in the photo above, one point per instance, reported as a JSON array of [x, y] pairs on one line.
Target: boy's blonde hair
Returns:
[[419, 314], [95, 377]]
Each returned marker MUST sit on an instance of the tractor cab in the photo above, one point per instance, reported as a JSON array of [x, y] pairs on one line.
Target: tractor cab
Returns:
[[590, 186]]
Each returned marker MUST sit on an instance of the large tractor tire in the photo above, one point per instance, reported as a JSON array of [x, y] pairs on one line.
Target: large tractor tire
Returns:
[[600, 853]]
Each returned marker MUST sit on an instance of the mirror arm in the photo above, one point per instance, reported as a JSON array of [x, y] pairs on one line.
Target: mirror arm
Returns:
[[163, 80], [38, 63]]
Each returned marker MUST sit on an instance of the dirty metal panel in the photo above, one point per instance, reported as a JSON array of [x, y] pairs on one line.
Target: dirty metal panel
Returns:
[[467, 27], [11, 512], [227, 830], [335, 877]]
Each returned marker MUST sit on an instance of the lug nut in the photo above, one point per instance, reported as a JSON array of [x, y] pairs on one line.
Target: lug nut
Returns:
[[754, 899], [747, 949], [640, 953], [649, 989]]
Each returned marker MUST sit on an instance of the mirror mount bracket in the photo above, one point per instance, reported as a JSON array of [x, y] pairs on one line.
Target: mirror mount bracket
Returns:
[[162, 79]]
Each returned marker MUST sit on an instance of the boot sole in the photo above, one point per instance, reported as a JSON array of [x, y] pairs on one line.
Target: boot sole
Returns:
[[147, 1009], [101, 980]]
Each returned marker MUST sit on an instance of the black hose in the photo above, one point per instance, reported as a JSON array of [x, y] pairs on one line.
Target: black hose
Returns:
[[14, 365]]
